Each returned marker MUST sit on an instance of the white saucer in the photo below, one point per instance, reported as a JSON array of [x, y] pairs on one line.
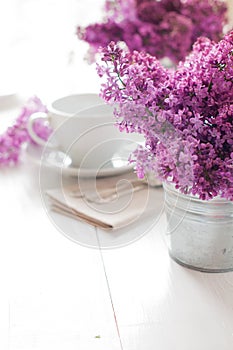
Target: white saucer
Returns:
[[6, 95], [8, 100], [59, 161]]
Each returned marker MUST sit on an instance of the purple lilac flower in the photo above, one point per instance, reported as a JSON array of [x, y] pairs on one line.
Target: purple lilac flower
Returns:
[[12, 140], [166, 28], [185, 115]]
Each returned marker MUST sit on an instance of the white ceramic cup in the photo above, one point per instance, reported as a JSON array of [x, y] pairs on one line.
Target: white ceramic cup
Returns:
[[89, 137], [61, 110]]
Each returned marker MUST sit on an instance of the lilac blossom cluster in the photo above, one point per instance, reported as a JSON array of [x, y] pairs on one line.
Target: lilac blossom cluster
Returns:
[[186, 116], [165, 28], [12, 141]]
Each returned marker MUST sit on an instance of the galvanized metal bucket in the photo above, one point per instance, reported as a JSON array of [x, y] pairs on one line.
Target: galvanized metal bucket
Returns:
[[199, 232]]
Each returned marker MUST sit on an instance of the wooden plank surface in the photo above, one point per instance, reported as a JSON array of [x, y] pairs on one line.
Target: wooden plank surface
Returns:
[[162, 305], [53, 291]]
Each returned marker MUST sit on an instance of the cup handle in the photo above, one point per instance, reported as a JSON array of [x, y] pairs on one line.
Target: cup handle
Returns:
[[33, 117]]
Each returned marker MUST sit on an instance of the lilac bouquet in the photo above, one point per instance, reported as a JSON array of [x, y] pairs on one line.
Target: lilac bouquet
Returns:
[[186, 116], [16, 135], [165, 28]]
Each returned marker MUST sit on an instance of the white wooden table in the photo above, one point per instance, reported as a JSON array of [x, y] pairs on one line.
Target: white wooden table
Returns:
[[56, 294]]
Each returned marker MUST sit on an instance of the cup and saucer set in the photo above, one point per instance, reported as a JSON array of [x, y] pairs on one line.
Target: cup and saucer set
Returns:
[[84, 142], [85, 174]]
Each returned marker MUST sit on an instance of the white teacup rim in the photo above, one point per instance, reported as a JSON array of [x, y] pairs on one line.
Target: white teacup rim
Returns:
[[101, 110], [55, 106]]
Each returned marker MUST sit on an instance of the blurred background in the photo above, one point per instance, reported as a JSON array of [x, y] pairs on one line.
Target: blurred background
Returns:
[[40, 52], [230, 11]]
